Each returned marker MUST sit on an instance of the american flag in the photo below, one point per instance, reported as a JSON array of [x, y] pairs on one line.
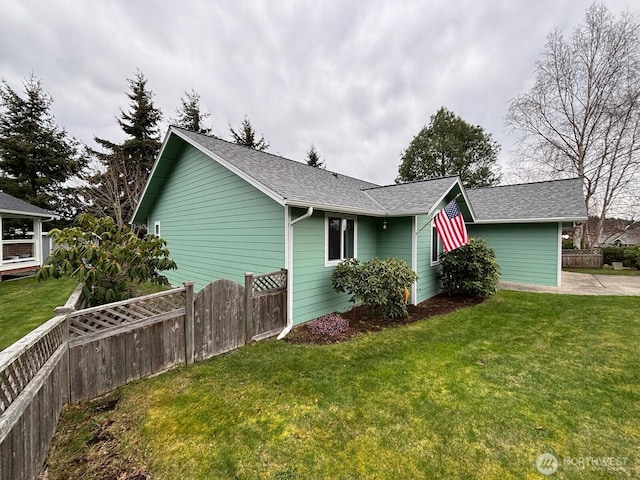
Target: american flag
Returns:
[[450, 226]]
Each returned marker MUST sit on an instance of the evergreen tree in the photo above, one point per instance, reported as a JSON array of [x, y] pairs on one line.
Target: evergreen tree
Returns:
[[313, 158], [36, 155], [114, 187], [190, 116], [140, 123], [246, 136], [451, 146]]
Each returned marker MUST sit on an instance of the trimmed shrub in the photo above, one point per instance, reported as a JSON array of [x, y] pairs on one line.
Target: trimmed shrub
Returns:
[[612, 254], [379, 283], [629, 256], [470, 270], [331, 324], [632, 257]]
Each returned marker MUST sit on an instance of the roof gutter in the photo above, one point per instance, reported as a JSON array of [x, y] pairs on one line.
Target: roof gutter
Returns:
[[529, 220], [337, 208], [289, 326], [18, 213]]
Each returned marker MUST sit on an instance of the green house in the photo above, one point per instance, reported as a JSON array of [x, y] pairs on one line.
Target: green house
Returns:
[[225, 210]]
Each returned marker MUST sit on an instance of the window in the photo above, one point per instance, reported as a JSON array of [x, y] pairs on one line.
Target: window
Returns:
[[18, 239], [340, 239], [436, 246], [156, 229]]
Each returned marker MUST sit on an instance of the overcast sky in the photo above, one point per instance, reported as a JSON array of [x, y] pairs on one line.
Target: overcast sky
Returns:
[[359, 79]]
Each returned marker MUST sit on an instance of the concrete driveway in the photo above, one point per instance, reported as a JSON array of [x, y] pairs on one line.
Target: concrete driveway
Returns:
[[584, 284]]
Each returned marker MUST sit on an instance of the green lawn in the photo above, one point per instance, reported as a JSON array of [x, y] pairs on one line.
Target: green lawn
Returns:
[[26, 304], [480, 393]]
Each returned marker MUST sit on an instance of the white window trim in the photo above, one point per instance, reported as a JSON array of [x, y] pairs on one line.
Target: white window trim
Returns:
[[333, 263], [34, 241], [431, 261], [156, 229]]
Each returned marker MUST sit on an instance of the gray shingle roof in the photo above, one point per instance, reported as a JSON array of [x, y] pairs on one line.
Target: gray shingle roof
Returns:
[[10, 204], [630, 237], [412, 198], [295, 182], [558, 199]]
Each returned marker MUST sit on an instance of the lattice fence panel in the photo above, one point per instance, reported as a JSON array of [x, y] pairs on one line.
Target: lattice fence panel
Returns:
[[116, 314], [577, 252], [16, 375], [269, 282]]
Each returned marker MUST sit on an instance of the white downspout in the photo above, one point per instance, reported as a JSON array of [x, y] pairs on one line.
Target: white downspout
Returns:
[[289, 242], [559, 259], [414, 258]]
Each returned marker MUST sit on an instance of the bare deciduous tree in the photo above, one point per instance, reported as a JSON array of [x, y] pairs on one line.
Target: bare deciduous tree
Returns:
[[111, 188], [582, 116]]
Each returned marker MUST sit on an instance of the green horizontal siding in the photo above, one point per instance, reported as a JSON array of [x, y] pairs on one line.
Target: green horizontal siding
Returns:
[[216, 224], [368, 230], [428, 282], [526, 253], [312, 288], [395, 241]]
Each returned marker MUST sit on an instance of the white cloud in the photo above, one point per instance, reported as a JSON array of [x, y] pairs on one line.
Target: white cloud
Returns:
[[358, 79]]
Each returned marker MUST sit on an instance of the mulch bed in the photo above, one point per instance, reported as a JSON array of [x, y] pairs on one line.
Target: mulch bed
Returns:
[[362, 320]]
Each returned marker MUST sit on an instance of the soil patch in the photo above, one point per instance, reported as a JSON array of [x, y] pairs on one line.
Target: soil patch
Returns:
[[87, 444], [363, 320]]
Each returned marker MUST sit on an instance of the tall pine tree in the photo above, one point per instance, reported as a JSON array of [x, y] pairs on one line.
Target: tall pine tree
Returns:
[[313, 158], [190, 115], [246, 136], [114, 189], [36, 155]]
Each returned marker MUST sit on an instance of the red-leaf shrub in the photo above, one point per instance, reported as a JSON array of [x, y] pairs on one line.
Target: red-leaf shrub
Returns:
[[331, 324]]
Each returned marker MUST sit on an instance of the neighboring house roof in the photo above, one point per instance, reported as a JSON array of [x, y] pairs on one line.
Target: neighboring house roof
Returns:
[[15, 206], [556, 200], [630, 237], [297, 184]]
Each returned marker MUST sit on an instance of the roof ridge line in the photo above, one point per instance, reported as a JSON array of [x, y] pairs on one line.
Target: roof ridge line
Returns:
[[526, 183], [411, 182], [233, 144]]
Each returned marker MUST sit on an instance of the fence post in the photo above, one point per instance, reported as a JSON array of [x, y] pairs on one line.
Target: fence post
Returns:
[[65, 339], [188, 322], [248, 307]]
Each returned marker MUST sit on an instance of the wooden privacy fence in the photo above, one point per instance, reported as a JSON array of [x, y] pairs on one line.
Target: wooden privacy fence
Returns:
[[113, 344], [582, 258], [79, 355]]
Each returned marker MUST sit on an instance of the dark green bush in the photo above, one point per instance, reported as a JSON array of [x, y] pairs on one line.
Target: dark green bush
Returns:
[[470, 270], [379, 283], [632, 257], [612, 254], [629, 256], [109, 260]]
